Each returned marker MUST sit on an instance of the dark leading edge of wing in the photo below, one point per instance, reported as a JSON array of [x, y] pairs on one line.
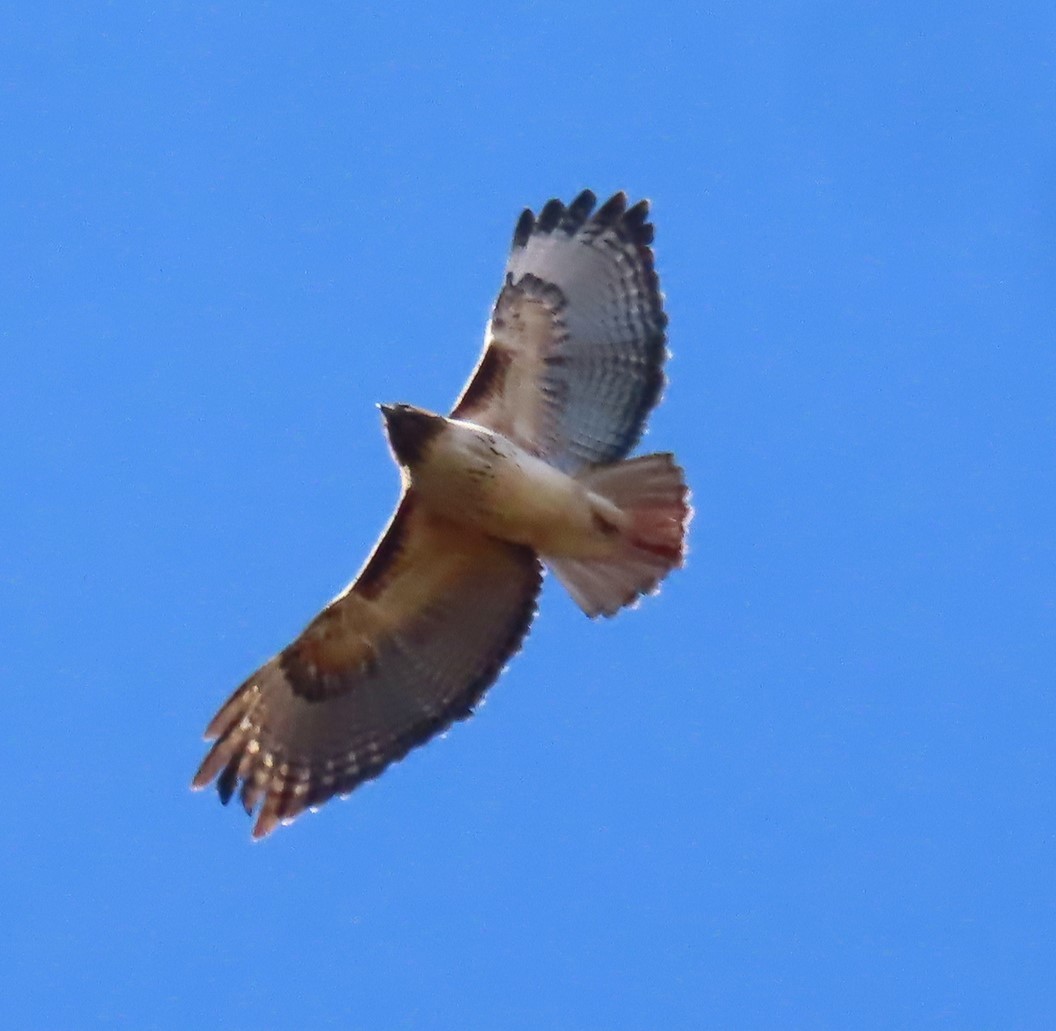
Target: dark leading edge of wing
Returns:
[[574, 359]]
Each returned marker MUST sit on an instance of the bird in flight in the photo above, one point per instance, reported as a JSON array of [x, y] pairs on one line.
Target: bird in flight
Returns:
[[529, 469]]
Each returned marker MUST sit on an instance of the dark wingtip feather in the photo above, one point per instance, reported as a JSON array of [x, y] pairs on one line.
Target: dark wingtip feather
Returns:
[[551, 215], [524, 228], [612, 209], [578, 211], [637, 225], [631, 223], [637, 214], [228, 780]]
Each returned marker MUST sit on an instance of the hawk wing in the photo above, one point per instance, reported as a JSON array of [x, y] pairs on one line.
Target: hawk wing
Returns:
[[408, 648], [573, 355]]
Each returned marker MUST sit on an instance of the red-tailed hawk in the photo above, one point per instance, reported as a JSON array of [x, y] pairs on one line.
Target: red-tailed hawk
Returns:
[[527, 469]]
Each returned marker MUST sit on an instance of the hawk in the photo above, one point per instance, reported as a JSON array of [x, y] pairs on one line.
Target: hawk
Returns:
[[527, 470]]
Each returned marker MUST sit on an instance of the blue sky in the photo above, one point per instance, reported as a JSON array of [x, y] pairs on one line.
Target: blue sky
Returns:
[[810, 785]]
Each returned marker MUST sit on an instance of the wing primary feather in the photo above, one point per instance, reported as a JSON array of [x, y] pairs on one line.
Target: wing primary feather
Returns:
[[524, 228], [252, 789], [227, 745], [611, 211], [578, 212], [228, 780], [636, 226], [551, 215], [268, 819]]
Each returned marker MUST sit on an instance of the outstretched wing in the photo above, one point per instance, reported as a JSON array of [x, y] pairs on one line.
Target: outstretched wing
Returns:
[[408, 648], [573, 355]]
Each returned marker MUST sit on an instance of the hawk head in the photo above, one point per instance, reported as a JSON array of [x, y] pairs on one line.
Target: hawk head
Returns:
[[410, 429]]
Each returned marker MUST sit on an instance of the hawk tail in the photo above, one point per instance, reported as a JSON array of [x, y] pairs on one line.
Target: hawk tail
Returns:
[[651, 491]]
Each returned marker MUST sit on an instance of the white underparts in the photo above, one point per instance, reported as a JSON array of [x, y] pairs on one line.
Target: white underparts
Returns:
[[481, 478], [610, 534]]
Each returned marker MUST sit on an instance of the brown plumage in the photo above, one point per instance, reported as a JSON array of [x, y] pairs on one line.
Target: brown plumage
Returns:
[[527, 469]]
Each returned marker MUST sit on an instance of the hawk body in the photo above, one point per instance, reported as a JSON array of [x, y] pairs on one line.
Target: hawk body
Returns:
[[528, 469], [481, 479]]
